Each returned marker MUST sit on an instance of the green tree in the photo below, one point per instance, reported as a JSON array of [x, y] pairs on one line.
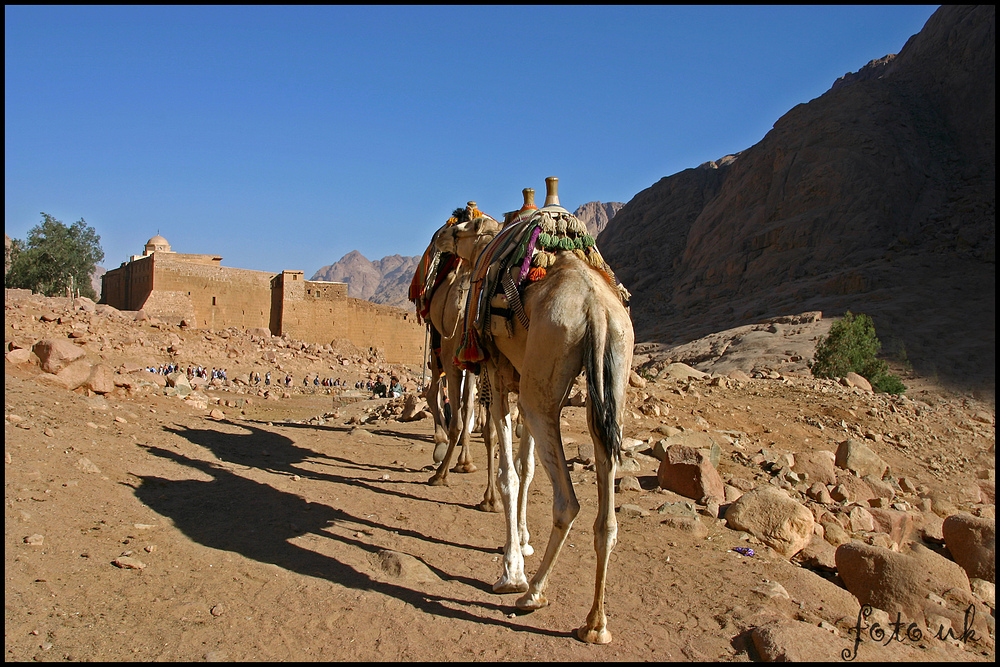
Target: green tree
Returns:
[[853, 346], [55, 258]]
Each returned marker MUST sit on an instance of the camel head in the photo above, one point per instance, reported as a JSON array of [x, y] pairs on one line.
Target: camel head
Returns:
[[467, 238]]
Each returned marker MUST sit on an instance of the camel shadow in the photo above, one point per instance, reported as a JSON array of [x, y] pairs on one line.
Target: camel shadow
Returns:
[[232, 513]]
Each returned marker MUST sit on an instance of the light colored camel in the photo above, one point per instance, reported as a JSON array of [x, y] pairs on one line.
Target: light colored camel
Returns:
[[446, 316], [576, 322]]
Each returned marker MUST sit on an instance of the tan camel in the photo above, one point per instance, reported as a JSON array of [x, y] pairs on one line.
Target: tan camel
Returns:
[[445, 316], [577, 321]]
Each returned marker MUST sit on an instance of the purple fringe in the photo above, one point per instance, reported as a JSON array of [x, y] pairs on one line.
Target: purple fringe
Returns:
[[531, 251]]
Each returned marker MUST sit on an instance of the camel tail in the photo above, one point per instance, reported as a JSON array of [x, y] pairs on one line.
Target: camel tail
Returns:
[[607, 366]]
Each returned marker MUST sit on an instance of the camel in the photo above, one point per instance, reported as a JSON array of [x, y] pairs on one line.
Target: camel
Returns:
[[576, 321], [444, 317]]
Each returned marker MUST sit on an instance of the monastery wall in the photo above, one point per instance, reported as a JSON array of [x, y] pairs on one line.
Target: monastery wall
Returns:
[[175, 287], [318, 312], [211, 296]]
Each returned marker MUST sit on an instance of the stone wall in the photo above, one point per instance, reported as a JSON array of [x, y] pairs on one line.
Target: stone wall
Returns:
[[215, 296], [319, 312], [176, 287]]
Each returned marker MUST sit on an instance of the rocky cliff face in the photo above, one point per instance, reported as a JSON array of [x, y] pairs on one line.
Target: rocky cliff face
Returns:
[[596, 215], [383, 281], [876, 197]]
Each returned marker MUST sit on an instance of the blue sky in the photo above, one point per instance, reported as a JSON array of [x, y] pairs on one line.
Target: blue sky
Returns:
[[286, 137]]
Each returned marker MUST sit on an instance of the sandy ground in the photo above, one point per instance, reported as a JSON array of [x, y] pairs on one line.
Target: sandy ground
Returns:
[[282, 531]]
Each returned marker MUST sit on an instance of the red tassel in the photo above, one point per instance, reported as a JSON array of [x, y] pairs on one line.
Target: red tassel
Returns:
[[470, 353]]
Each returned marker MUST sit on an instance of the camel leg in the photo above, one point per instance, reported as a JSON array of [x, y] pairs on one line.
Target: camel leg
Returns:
[[437, 411], [490, 501], [440, 476], [465, 420], [595, 631], [512, 580], [526, 472], [565, 507], [455, 395]]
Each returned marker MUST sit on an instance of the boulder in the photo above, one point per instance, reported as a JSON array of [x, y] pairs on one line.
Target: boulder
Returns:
[[101, 379], [75, 374], [689, 472], [855, 456], [859, 381], [851, 489], [817, 465], [972, 541], [897, 525], [19, 356], [786, 640], [772, 516], [54, 354], [412, 406], [906, 582]]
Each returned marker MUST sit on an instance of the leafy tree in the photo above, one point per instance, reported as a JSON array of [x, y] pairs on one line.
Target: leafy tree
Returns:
[[852, 346], [55, 257]]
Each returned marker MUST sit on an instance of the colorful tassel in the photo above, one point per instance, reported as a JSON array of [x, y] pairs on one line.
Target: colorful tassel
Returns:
[[536, 273]]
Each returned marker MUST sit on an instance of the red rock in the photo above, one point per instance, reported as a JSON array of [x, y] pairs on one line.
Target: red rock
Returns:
[[689, 472], [54, 354], [972, 541]]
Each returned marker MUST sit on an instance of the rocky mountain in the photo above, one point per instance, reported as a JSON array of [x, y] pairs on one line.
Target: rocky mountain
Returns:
[[383, 281], [596, 215], [876, 197]]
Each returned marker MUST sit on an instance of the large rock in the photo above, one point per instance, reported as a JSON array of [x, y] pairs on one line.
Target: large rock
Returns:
[[55, 354], [972, 541], [773, 517], [412, 407], [690, 472], [75, 374], [905, 582], [897, 525], [101, 379], [855, 456], [817, 465], [784, 640]]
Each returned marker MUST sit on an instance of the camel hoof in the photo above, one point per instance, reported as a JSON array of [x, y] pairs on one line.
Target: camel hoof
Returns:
[[505, 586], [465, 467], [440, 449], [527, 550], [532, 602], [438, 480], [485, 506], [593, 636]]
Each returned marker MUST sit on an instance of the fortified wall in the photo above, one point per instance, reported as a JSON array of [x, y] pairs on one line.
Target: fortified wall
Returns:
[[178, 287]]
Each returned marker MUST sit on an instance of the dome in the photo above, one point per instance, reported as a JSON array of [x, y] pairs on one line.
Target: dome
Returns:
[[156, 244]]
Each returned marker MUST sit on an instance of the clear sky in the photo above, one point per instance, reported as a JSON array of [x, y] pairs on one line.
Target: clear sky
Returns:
[[286, 137]]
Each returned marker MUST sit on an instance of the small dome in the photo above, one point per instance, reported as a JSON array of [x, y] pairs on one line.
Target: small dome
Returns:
[[157, 240]]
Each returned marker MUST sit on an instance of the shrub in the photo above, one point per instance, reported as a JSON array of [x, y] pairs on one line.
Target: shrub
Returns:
[[853, 346]]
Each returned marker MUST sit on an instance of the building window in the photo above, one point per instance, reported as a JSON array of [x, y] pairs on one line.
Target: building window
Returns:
[[213, 300]]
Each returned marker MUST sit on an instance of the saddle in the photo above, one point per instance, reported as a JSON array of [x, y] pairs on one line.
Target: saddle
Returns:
[[518, 256]]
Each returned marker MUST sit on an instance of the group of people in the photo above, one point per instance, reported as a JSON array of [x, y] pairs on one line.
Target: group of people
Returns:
[[192, 371], [254, 379], [380, 390]]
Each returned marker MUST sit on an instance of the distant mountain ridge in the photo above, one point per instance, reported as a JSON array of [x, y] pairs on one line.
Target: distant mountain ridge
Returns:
[[387, 281], [383, 281]]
